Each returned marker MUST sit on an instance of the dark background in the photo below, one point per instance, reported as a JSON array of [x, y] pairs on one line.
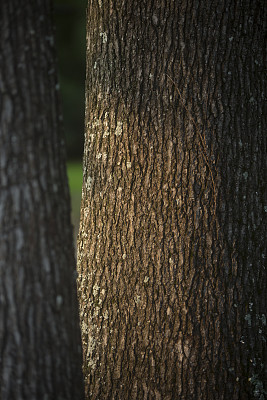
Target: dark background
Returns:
[[69, 19]]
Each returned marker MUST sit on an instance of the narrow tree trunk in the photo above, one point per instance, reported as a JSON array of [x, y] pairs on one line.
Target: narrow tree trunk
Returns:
[[40, 352], [172, 237]]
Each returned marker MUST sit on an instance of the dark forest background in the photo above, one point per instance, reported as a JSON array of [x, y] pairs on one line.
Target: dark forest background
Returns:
[[69, 19], [70, 43]]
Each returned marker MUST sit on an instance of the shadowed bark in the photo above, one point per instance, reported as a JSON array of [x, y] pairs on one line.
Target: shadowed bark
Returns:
[[40, 352], [172, 235]]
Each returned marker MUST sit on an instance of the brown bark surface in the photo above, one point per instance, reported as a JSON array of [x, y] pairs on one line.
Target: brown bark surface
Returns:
[[172, 237], [40, 349]]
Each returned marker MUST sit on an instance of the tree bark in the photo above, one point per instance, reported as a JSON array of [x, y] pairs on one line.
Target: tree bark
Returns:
[[40, 344], [172, 236]]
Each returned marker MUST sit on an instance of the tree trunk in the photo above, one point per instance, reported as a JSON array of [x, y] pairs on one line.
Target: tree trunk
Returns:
[[172, 236], [40, 349]]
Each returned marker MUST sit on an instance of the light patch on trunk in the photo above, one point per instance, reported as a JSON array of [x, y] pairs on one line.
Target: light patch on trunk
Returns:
[[104, 37], [118, 130]]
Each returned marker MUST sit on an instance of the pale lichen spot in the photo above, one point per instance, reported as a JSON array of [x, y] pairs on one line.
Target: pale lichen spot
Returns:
[[96, 312], [261, 318], [98, 156], [96, 123], [105, 315], [91, 137], [119, 189], [265, 209], [104, 37], [178, 201], [258, 392], [59, 301], [231, 38], [248, 319], [95, 289], [91, 345], [137, 299], [146, 279], [118, 130], [245, 175], [88, 183], [84, 327], [128, 164], [124, 256]]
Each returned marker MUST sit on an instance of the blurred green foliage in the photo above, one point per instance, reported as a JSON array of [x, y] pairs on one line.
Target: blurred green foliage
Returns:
[[69, 18], [75, 176]]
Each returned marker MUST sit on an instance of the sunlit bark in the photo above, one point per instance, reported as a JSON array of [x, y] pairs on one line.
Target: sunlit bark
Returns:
[[172, 237]]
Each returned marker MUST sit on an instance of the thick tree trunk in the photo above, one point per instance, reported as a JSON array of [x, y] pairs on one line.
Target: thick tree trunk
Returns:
[[40, 349], [172, 237]]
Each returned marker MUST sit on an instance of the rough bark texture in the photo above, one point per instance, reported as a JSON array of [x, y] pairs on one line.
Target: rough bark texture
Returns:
[[40, 349], [172, 237]]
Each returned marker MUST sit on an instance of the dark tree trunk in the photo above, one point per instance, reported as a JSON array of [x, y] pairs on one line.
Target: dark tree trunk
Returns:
[[40, 352], [172, 237]]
